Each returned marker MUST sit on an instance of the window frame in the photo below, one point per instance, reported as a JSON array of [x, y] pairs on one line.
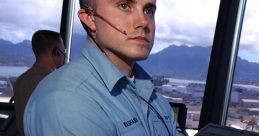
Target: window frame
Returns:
[[222, 62]]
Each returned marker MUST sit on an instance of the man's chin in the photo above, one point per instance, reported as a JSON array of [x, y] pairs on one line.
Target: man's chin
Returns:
[[141, 58]]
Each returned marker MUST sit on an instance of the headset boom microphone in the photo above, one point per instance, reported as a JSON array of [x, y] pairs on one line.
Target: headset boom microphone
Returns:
[[108, 22]]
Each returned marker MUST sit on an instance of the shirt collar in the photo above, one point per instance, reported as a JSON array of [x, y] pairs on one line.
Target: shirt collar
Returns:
[[143, 82], [140, 73], [108, 72]]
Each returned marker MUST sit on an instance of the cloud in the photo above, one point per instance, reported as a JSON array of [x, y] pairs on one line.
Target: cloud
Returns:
[[21, 18], [177, 22], [250, 32], [185, 22], [193, 23]]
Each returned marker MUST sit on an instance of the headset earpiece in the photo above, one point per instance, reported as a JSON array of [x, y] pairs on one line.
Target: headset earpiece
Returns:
[[55, 51]]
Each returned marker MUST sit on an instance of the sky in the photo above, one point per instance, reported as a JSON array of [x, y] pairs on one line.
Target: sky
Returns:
[[178, 22]]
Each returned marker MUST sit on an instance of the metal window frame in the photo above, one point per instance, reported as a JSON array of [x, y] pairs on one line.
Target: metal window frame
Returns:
[[67, 22], [222, 62]]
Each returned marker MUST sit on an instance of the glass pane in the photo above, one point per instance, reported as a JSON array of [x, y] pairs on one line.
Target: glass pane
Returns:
[[79, 35], [243, 111], [180, 56], [19, 19]]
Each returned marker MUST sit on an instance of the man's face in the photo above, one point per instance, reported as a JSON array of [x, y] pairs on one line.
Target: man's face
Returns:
[[136, 18]]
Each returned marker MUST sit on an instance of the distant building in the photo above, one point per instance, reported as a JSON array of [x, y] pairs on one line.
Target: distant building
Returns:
[[250, 103], [3, 84], [159, 80], [172, 99], [234, 115], [167, 88], [181, 89], [197, 89], [192, 119], [235, 96], [253, 111], [193, 115]]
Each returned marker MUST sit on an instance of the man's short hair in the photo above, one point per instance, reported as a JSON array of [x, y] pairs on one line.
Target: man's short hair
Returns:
[[45, 39], [87, 3]]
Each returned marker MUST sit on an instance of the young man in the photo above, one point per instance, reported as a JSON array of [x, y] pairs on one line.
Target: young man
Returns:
[[47, 47], [104, 91]]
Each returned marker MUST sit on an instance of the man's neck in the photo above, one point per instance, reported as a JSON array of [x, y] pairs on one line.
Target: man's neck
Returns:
[[46, 63], [125, 66]]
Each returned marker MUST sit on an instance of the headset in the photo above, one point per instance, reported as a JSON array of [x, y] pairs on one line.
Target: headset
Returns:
[[56, 52]]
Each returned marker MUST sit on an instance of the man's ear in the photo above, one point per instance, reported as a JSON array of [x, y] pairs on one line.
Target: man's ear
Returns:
[[55, 52], [87, 18]]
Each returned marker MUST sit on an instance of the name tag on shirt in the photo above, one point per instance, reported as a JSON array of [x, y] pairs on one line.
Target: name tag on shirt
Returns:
[[130, 122], [131, 126]]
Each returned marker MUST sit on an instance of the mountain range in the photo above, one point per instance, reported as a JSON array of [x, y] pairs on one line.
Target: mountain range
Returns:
[[192, 63], [182, 62]]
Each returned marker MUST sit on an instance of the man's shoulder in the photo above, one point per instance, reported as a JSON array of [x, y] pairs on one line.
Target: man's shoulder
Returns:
[[24, 76], [65, 79], [32, 73], [63, 84], [78, 69]]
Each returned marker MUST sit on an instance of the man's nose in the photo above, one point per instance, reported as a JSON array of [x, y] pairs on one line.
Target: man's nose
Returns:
[[141, 21]]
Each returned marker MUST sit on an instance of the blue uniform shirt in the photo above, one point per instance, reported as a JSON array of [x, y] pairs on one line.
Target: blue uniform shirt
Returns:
[[90, 96]]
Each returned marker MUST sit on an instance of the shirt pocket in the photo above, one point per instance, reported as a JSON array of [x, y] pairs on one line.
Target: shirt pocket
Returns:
[[161, 127], [130, 127]]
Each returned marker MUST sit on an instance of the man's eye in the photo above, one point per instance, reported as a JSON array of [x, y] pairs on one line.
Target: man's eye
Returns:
[[150, 11], [124, 5]]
